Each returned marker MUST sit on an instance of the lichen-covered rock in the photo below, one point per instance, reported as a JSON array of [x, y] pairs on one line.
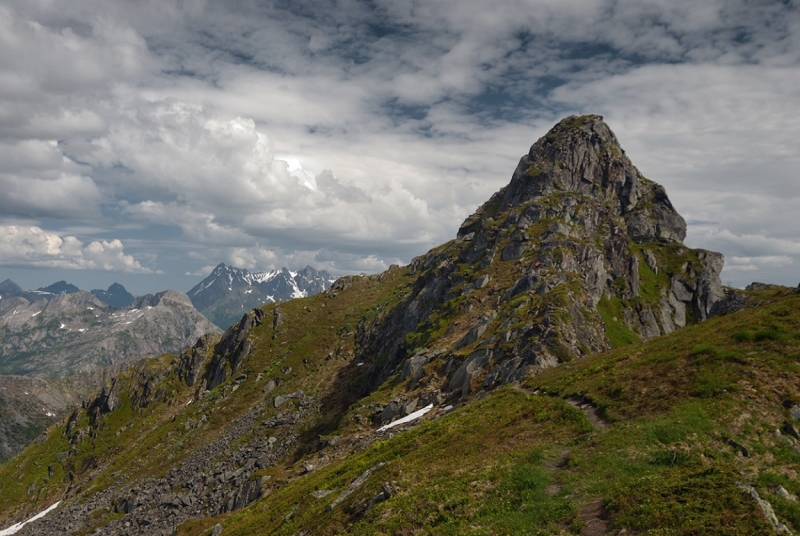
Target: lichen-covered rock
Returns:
[[588, 242]]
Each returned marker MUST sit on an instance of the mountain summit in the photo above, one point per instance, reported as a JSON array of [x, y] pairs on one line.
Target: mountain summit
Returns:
[[579, 253], [581, 155]]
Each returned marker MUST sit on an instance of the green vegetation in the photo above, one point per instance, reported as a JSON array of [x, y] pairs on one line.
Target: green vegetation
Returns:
[[612, 312], [516, 463]]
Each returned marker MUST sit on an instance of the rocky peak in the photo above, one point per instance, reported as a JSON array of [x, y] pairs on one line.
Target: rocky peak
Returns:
[[72, 301], [579, 253], [8, 288], [60, 287], [152, 300], [582, 156], [115, 296]]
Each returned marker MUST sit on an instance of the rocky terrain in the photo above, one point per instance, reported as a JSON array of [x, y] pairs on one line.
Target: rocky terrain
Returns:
[[229, 292], [76, 332], [566, 365], [29, 405]]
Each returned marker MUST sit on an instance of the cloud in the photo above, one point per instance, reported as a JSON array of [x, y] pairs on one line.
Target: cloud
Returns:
[[219, 181], [752, 264], [753, 245], [202, 272], [254, 258], [37, 180], [54, 70], [31, 246]]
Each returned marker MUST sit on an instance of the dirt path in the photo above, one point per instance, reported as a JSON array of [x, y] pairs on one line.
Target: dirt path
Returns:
[[595, 519], [590, 411], [592, 514]]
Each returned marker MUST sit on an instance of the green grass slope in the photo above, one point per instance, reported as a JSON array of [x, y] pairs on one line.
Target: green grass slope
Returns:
[[158, 422], [653, 438], [679, 424]]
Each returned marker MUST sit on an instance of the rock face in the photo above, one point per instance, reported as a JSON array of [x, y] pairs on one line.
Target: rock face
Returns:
[[77, 332], [8, 288], [228, 292], [577, 254]]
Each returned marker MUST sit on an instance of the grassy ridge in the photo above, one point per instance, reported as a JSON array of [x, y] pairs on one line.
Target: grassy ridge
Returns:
[[680, 411], [523, 463]]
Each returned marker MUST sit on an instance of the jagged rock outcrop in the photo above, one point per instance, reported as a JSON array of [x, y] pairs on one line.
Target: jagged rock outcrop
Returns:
[[232, 349], [578, 253]]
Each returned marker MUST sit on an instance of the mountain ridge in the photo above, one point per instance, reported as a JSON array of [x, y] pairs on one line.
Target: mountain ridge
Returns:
[[116, 295]]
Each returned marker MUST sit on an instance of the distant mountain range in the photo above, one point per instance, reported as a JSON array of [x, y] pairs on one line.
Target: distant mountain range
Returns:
[[59, 330], [115, 296], [222, 297], [229, 292], [76, 332], [59, 343]]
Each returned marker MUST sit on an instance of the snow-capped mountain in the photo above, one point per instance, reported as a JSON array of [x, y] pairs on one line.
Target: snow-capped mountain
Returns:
[[229, 292]]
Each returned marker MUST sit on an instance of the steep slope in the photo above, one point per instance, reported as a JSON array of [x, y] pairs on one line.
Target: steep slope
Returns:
[[228, 292], [28, 406], [77, 332], [278, 427]]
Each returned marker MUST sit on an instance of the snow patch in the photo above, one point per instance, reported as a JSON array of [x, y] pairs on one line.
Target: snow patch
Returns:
[[49, 413], [62, 326], [82, 330], [13, 529], [90, 308], [408, 418], [34, 314]]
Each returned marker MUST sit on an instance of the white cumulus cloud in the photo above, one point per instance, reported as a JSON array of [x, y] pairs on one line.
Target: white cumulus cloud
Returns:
[[32, 246]]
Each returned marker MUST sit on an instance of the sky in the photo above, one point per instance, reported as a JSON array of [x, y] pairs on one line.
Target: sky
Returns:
[[145, 142]]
